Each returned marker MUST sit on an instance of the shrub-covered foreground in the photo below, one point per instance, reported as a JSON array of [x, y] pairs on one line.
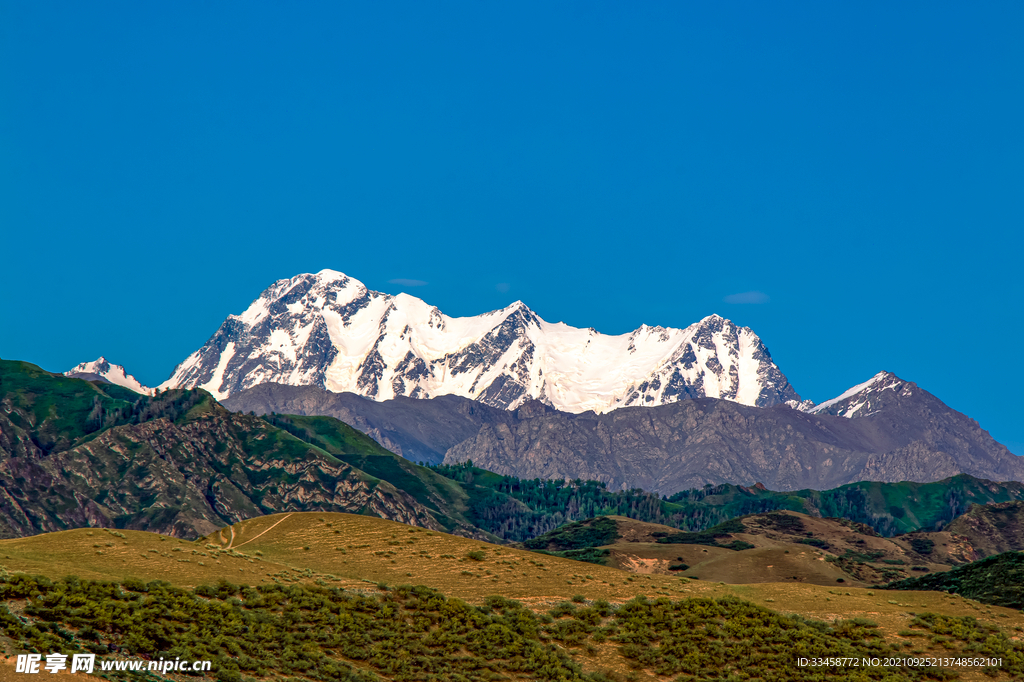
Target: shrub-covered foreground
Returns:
[[414, 633]]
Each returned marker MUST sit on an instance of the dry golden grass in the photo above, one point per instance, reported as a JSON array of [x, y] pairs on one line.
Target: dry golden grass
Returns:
[[99, 554], [770, 562], [778, 555], [376, 550], [352, 551]]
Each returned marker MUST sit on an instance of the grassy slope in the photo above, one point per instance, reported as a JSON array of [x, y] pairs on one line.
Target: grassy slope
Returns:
[[271, 550], [107, 554], [55, 410], [997, 580], [889, 508], [383, 551], [782, 546], [894, 508], [444, 496]]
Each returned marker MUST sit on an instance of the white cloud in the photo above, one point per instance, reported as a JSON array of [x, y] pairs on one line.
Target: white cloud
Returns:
[[408, 282], [747, 297]]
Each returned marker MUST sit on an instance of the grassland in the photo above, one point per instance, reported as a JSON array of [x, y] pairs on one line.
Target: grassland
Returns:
[[776, 547], [106, 554], [367, 556], [361, 552]]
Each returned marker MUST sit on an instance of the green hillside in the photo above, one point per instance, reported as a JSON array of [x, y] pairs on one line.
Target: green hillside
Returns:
[[53, 411], [78, 453], [996, 580], [889, 508], [516, 509], [449, 499], [895, 508]]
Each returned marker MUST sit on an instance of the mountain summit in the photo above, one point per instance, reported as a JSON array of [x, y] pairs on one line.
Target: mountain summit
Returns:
[[328, 330], [866, 399], [102, 370]]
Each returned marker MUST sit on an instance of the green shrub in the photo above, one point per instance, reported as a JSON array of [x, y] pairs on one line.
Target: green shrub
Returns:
[[922, 545]]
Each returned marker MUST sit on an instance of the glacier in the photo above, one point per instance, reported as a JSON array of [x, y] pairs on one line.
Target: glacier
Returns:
[[329, 330]]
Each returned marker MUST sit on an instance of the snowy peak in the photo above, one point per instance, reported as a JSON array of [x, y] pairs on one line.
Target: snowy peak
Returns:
[[329, 330], [867, 398], [102, 370]]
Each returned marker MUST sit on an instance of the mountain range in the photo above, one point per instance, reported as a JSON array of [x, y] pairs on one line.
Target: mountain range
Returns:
[[906, 435], [658, 408], [77, 453], [329, 331]]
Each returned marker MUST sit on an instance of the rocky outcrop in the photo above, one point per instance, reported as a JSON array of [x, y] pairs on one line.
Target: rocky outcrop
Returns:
[[184, 477]]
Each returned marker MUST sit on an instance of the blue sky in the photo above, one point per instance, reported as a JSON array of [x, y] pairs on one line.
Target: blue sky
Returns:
[[847, 180]]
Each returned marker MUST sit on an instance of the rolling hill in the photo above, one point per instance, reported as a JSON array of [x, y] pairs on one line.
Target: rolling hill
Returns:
[[778, 546], [285, 577], [992, 528], [996, 580]]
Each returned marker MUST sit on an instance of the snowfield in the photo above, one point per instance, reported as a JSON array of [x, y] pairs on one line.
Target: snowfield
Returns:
[[329, 330]]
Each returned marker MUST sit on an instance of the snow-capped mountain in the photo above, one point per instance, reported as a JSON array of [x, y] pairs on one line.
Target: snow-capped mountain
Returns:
[[862, 400], [102, 370], [329, 330]]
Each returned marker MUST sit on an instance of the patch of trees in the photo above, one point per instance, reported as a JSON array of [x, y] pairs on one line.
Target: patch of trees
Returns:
[[578, 535], [711, 537], [520, 509], [170, 404], [922, 545]]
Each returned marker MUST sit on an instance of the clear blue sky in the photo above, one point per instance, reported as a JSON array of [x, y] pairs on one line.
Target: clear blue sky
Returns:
[[859, 164]]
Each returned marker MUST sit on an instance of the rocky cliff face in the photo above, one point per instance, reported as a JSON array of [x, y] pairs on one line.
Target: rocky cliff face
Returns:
[[914, 437], [329, 331], [672, 447]]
